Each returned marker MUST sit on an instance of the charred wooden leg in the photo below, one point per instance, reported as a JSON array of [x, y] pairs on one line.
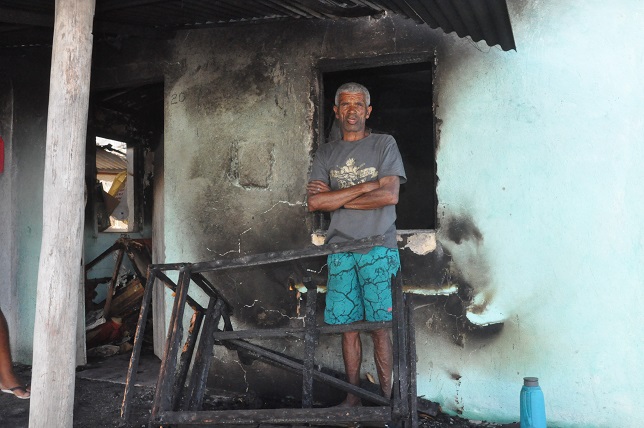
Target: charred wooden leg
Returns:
[[138, 342], [204, 356], [413, 394], [164, 397], [110, 289], [310, 340], [186, 357]]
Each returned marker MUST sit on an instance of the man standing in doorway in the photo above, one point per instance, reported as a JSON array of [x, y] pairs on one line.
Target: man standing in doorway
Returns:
[[357, 180]]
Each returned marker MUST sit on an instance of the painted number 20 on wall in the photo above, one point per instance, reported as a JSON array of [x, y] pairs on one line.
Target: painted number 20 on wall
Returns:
[[177, 98]]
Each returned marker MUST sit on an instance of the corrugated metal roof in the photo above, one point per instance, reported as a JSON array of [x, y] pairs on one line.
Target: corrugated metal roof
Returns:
[[30, 23], [487, 20], [109, 162]]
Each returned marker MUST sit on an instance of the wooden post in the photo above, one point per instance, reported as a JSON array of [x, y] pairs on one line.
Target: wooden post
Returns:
[[53, 376]]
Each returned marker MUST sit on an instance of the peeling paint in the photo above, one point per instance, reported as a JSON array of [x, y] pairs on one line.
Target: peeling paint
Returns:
[[317, 238], [421, 243], [446, 290], [483, 313]]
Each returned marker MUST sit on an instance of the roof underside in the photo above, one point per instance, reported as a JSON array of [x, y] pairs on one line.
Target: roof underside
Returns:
[[24, 24]]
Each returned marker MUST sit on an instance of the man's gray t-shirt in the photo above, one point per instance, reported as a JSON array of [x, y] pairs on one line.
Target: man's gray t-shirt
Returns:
[[341, 164]]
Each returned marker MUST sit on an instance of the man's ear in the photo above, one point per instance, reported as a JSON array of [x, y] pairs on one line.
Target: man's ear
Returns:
[[335, 110], [368, 111]]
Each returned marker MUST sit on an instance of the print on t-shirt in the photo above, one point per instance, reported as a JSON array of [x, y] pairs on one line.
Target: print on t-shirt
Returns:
[[352, 174]]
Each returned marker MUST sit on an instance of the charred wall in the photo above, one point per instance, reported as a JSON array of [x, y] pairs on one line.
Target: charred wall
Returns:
[[241, 109]]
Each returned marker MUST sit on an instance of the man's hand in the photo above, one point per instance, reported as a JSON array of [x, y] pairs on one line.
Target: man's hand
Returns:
[[317, 186], [385, 194]]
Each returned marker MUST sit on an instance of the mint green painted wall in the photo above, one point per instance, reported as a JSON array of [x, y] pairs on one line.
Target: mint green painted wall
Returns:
[[29, 145], [542, 148], [8, 292]]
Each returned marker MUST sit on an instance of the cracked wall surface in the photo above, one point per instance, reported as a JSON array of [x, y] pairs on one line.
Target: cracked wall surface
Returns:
[[538, 213], [514, 177], [539, 198], [240, 130], [242, 123]]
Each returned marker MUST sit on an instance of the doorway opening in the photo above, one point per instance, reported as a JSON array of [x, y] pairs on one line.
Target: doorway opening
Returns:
[[402, 100], [124, 144], [125, 129]]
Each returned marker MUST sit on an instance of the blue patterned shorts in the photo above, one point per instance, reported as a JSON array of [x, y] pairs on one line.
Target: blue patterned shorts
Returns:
[[359, 286]]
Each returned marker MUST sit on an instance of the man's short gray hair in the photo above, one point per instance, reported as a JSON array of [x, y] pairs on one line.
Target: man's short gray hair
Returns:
[[353, 88]]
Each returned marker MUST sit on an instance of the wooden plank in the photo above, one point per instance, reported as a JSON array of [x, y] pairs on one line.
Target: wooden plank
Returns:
[[138, 343], [204, 356], [208, 288], [172, 286], [101, 256], [310, 340], [53, 375], [284, 256], [110, 289], [289, 364], [270, 333], [169, 266], [396, 397], [13, 16], [411, 343], [163, 397], [400, 335], [281, 416], [186, 357]]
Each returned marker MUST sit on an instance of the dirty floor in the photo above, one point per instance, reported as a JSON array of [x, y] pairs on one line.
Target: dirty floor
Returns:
[[99, 392]]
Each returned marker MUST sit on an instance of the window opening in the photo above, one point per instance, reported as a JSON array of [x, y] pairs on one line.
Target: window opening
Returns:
[[114, 164], [402, 100]]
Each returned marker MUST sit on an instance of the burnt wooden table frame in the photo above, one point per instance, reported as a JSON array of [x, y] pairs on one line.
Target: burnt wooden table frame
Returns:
[[123, 246], [178, 402]]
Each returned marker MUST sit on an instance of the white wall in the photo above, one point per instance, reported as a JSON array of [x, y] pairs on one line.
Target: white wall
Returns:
[[542, 148]]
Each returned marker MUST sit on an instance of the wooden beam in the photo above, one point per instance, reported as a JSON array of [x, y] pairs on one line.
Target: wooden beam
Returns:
[[146, 32], [270, 333], [32, 19], [54, 362], [284, 256], [126, 4], [310, 343], [236, 417], [14, 16]]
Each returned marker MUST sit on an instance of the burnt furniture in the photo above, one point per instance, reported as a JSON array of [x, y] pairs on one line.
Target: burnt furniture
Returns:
[[179, 397]]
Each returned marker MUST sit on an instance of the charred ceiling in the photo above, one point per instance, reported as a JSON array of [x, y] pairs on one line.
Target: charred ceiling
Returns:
[[25, 24], [133, 115]]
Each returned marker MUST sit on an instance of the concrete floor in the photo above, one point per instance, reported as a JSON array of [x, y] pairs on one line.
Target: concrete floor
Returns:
[[114, 369], [98, 394]]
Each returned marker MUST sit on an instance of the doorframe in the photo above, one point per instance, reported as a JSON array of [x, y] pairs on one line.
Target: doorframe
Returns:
[[329, 65]]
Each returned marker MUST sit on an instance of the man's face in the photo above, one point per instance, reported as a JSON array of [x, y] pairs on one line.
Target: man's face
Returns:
[[352, 112]]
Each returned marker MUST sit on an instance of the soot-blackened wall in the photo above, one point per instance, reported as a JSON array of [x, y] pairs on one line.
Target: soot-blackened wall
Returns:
[[241, 125]]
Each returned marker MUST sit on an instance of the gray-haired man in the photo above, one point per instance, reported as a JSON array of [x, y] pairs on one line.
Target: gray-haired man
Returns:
[[357, 179]]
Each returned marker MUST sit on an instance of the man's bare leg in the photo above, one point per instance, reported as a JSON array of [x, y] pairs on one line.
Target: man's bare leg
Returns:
[[352, 354], [8, 379], [384, 359]]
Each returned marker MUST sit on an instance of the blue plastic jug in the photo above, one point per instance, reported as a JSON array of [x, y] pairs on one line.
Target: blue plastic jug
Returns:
[[533, 407]]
